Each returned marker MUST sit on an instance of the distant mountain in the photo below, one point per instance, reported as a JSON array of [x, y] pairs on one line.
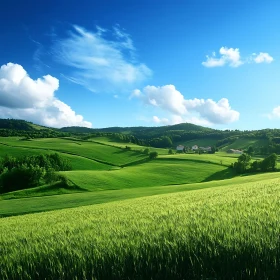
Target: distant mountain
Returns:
[[140, 130]]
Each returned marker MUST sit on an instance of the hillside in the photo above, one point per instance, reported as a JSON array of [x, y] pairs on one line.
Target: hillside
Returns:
[[227, 232], [263, 141], [19, 125], [140, 131], [103, 165], [175, 216]]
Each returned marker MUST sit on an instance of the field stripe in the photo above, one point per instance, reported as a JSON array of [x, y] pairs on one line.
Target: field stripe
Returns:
[[22, 206]]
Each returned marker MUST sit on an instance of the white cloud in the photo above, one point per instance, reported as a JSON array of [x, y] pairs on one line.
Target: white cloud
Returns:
[[263, 58], [215, 112], [102, 60], [158, 120], [34, 100], [135, 93], [232, 57], [229, 56], [275, 114], [198, 121], [171, 100], [165, 97]]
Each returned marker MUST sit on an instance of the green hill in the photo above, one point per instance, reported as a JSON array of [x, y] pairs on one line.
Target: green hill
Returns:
[[139, 130], [225, 232], [18, 125]]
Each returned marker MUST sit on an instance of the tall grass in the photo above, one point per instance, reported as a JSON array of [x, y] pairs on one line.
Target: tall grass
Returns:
[[219, 233]]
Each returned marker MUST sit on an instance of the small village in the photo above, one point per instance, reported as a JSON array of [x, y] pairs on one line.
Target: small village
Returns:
[[208, 149]]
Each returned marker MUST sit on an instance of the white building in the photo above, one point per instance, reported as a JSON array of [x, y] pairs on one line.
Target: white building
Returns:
[[195, 148], [232, 151], [180, 148], [206, 149]]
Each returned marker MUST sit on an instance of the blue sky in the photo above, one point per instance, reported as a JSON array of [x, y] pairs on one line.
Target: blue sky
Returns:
[[141, 63]]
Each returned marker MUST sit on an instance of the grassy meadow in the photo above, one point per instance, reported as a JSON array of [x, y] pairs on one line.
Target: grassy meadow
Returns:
[[215, 233], [124, 216]]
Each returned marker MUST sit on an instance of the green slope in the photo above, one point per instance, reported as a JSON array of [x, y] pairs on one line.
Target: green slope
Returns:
[[160, 172], [227, 232], [244, 143], [77, 162], [87, 149], [21, 206]]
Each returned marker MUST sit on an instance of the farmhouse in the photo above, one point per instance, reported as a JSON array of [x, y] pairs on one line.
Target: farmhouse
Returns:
[[195, 148], [180, 148], [232, 151], [206, 149]]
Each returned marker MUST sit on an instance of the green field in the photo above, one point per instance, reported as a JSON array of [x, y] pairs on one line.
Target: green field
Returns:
[[123, 216], [110, 142], [102, 153], [77, 162], [227, 232]]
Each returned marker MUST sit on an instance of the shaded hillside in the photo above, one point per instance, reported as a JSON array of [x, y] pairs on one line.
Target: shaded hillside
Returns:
[[140, 130], [16, 125]]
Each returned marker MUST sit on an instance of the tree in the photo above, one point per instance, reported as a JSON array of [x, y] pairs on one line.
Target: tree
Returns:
[[153, 155], [146, 151], [250, 151], [269, 163], [242, 163], [170, 152], [255, 165]]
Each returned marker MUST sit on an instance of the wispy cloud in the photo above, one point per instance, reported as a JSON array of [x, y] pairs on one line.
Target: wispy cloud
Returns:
[[101, 61], [232, 58]]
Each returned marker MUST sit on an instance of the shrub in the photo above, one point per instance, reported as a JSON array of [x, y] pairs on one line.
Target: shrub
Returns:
[[146, 151], [153, 155]]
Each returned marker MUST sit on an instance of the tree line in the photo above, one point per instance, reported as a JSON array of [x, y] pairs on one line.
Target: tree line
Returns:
[[244, 164]]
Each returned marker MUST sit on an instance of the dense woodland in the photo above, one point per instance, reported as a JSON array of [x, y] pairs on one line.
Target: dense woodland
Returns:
[[31, 171]]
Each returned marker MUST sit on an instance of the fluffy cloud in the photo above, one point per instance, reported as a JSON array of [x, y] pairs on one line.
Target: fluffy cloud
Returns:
[[171, 100], [228, 56], [34, 100], [159, 121], [262, 58], [275, 113], [165, 97], [102, 60], [215, 112], [232, 57]]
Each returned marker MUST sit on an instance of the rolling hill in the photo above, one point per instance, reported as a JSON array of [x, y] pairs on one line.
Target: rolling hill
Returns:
[[122, 215], [214, 232]]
